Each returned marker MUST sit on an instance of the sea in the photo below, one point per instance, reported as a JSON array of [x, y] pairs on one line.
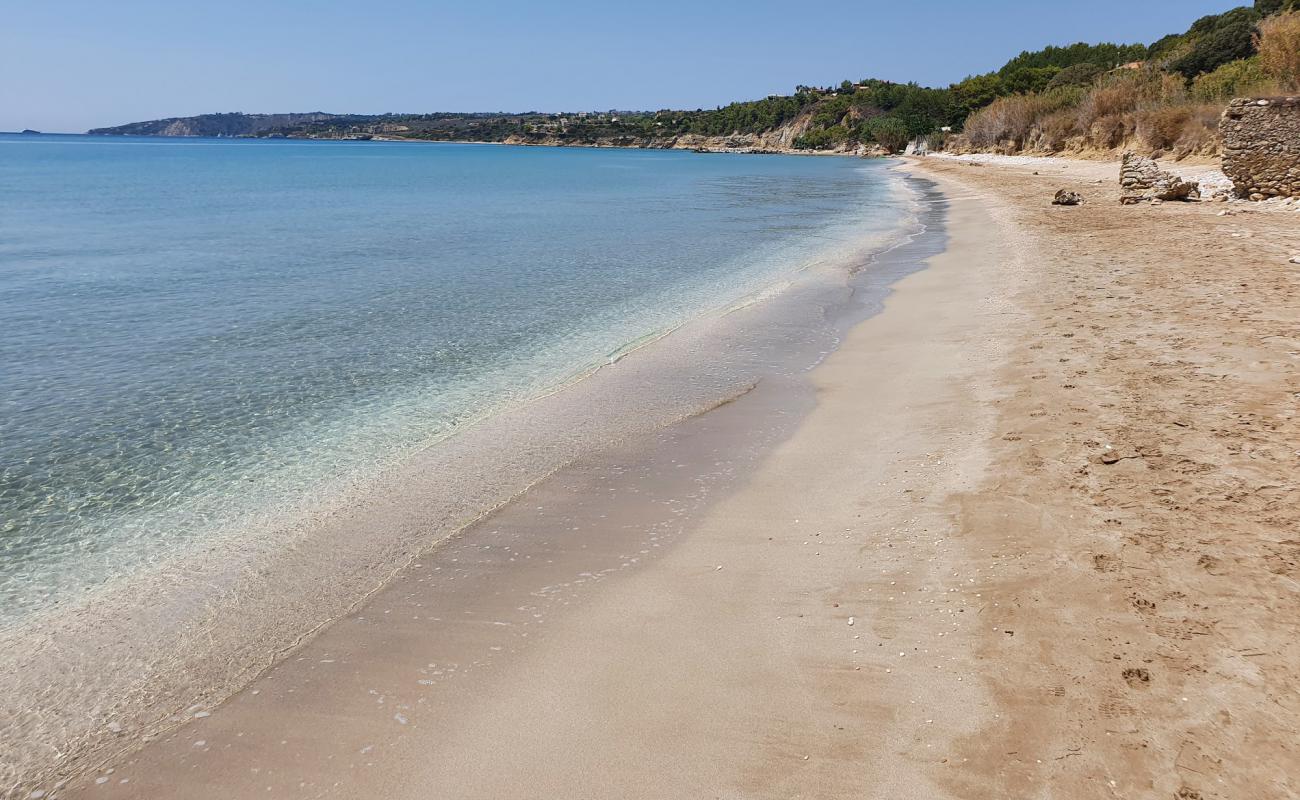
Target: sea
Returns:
[[244, 382], [195, 330]]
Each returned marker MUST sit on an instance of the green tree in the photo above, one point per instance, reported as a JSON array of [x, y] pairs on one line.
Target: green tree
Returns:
[[890, 133], [1217, 39], [977, 91], [1076, 75]]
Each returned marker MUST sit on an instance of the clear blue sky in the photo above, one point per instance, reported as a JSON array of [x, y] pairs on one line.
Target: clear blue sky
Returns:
[[73, 64]]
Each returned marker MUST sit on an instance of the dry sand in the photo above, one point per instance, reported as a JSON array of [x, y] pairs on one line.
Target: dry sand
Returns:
[[1036, 538]]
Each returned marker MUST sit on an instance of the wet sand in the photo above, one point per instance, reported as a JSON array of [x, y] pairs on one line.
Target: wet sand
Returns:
[[1028, 532]]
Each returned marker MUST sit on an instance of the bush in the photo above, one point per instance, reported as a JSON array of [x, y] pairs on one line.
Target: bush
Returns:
[[1011, 120], [1161, 128], [812, 140], [1200, 132], [1110, 131], [1278, 41], [1003, 119], [1108, 100], [822, 138], [1234, 79], [889, 132], [1056, 129]]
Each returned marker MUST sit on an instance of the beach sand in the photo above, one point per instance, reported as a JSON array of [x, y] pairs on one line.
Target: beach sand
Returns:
[[1030, 531]]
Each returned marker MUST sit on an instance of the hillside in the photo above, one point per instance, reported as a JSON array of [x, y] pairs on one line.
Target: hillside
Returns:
[[1167, 101], [1165, 97]]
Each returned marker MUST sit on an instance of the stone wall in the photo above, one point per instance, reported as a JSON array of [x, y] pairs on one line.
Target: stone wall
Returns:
[[1140, 178], [1261, 146]]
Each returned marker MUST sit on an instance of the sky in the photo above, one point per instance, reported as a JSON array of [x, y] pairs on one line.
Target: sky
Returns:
[[71, 65]]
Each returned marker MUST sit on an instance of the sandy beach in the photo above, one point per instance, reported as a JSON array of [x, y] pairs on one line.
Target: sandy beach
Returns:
[[1029, 531]]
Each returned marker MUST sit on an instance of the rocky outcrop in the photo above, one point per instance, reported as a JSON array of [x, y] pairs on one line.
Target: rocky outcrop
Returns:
[[1141, 178], [1261, 146]]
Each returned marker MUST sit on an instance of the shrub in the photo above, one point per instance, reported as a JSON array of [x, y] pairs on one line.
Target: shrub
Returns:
[[1200, 132], [1234, 79], [889, 132], [1108, 100], [1057, 128], [821, 138], [1160, 128], [938, 140], [1012, 119], [1110, 131], [1278, 41], [812, 140], [1003, 119]]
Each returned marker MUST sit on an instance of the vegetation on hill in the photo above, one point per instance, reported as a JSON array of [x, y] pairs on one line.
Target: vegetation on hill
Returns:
[[1169, 102], [232, 124], [1166, 96]]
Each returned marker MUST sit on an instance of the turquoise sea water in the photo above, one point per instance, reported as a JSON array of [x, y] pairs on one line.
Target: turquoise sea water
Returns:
[[194, 330]]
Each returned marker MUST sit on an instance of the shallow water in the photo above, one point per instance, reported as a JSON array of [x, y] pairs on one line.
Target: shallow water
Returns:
[[196, 331]]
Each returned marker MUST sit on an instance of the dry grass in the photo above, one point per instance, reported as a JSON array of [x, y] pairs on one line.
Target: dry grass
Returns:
[[1009, 122], [1278, 42], [1159, 128], [1143, 109]]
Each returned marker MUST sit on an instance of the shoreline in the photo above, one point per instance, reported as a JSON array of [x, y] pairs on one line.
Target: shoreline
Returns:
[[702, 150], [397, 520], [502, 554], [1028, 530]]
